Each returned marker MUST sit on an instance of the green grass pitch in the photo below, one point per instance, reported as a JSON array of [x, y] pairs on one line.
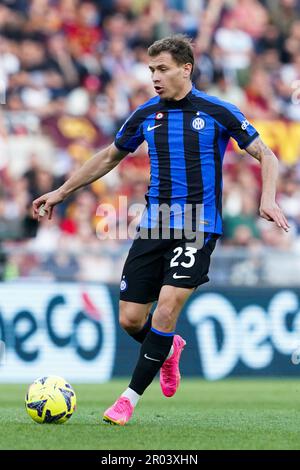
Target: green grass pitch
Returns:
[[229, 414]]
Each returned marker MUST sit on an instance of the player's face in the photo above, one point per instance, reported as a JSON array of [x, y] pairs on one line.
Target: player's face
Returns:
[[170, 79]]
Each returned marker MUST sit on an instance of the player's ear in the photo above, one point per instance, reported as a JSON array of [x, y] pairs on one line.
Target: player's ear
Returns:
[[187, 69]]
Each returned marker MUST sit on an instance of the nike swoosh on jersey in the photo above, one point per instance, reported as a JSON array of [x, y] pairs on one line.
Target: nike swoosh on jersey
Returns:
[[151, 358], [150, 128], [175, 276]]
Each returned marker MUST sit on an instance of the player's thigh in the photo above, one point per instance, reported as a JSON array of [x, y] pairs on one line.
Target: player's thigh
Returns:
[[170, 303], [143, 272], [133, 315]]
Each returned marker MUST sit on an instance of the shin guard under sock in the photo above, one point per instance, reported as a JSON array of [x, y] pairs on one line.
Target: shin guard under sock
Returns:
[[153, 353]]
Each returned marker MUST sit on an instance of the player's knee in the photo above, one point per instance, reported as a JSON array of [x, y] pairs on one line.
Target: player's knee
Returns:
[[129, 324], [128, 320]]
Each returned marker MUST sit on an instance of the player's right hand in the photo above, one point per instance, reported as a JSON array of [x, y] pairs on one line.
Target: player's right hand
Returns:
[[45, 204]]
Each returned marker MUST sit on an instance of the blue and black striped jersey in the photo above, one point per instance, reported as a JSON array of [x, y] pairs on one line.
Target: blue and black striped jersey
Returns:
[[186, 144]]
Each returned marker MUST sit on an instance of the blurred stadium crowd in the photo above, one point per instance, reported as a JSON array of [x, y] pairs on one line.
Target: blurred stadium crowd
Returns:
[[71, 71]]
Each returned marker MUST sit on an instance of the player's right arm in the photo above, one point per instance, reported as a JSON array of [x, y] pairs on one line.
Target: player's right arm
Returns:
[[96, 167]]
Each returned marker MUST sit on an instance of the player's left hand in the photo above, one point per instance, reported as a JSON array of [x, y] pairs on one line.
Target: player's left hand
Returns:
[[273, 213]]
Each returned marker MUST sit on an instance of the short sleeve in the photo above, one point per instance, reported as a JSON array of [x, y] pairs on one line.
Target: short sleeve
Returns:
[[239, 127], [130, 136]]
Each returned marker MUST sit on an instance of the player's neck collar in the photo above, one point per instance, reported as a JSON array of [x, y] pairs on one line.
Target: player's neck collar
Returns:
[[179, 103]]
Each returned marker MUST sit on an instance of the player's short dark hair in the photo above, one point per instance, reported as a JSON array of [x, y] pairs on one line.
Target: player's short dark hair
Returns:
[[178, 45]]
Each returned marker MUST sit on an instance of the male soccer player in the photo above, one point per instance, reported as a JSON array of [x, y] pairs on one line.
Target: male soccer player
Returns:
[[187, 132]]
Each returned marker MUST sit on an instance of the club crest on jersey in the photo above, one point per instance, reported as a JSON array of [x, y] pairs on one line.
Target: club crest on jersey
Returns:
[[159, 115], [123, 285], [198, 123]]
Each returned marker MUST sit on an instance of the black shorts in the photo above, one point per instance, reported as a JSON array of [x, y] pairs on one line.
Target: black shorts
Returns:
[[153, 263]]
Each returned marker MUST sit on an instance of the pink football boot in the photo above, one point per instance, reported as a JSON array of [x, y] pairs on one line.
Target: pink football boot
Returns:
[[119, 413], [169, 372]]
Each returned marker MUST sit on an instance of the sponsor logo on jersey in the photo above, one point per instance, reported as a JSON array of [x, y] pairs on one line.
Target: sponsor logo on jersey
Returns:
[[245, 124]]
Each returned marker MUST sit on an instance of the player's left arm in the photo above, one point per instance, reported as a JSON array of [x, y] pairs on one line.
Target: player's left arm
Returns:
[[269, 209]]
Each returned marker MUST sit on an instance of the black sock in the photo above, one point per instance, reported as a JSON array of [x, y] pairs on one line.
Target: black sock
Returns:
[[141, 335], [153, 353]]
